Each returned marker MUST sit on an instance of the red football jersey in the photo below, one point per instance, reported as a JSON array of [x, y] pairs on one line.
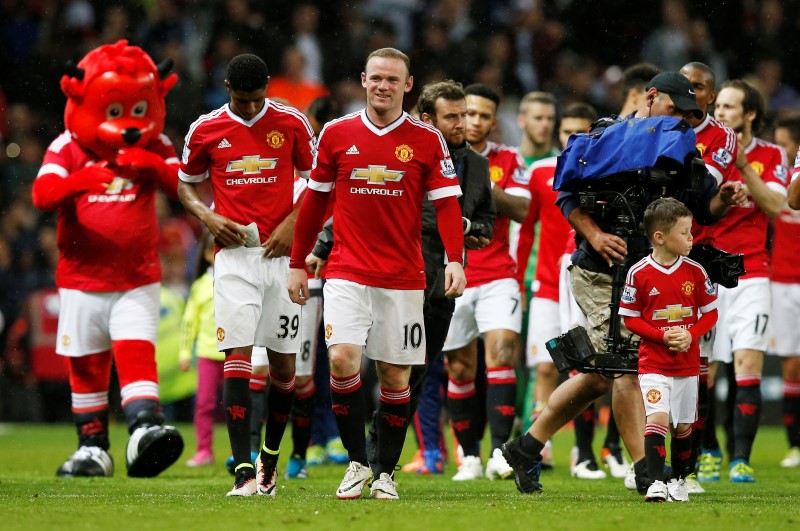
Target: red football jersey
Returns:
[[108, 241], [743, 229], [252, 163], [718, 146], [554, 229], [381, 176], [665, 297], [786, 247], [494, 262]]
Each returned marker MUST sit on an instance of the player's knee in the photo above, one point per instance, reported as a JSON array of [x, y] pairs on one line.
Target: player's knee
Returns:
[[461, 370], [546, 371], [502, 353], [342, 363]]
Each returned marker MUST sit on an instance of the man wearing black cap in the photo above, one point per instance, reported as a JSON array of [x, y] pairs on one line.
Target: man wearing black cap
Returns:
[[668, 94]]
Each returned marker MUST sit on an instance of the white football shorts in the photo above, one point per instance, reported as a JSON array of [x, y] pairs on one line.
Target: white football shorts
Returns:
[[492, 306], [744, 315], [785, 325], [673, 395], [544, 324], [251, 301], [89, 321], [387, 323]]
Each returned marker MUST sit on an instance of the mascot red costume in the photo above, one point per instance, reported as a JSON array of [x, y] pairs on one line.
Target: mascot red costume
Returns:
[[101, 176]]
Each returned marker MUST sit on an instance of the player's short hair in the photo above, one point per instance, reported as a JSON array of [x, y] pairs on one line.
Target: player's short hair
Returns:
[[638, 76], [324, 109], [536, 97], [390, 53], [580, 110], [662, 214], [709, 72], [791, 123], [752, 101], [247, 72], [447, 90], [484, 91]]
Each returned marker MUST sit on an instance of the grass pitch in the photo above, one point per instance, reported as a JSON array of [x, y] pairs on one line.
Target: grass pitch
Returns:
[[31, 497]]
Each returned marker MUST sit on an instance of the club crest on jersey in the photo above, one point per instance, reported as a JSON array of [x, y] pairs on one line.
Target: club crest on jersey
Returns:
[[758, 167], [495, 173], [251, 165], [377, 174], [687, 287], [404, 153], [653, 396], [220, 334], [275, 139], [673, 313], [701, 148]]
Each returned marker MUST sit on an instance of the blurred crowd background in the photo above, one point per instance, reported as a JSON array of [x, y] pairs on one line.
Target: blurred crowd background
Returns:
[[575, 49]]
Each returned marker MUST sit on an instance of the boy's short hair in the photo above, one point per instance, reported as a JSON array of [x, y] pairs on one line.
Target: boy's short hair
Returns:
[[662, 214], [247, 72]]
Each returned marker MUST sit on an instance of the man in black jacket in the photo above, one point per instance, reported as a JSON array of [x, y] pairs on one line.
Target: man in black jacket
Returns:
[[444, 106]]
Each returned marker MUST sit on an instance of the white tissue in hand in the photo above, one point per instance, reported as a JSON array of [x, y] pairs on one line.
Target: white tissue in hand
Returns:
[[251, 235]]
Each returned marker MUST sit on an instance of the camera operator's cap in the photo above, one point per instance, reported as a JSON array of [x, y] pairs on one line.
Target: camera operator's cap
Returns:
[[680, 90]]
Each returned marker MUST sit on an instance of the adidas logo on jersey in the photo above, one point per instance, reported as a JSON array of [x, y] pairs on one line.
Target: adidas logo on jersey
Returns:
[[654, 292], [352, 151], [224, 144]]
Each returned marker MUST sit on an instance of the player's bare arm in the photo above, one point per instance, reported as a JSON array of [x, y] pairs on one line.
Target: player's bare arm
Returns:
[[609, 246], [225, 231], [455, 281], [279, 242], [473, 243], [770, 201], [511, 206], [315, 264], [298, 286], [730, 194]]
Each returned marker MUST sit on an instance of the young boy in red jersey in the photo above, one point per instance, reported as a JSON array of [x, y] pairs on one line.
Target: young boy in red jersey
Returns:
[[670, 303]]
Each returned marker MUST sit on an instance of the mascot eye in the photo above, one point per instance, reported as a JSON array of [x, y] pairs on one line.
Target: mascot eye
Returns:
[[139, 110], [114, 110]]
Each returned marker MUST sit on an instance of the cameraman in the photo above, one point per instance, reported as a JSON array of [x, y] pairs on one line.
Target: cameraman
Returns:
[[668, 94]]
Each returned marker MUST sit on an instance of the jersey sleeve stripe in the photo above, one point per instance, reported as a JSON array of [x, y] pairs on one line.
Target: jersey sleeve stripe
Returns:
[[715, 174], [197, 123], [429, 127], [635, 268], [305, 174], [447, 191], [185, 177], [625, 312], [710, 306], [294, 112], [319, 187], [173, 160], [53, 168], [777, 187], [518, 191]]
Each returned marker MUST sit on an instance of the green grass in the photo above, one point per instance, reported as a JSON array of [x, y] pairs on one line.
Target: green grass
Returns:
[[31, 497]]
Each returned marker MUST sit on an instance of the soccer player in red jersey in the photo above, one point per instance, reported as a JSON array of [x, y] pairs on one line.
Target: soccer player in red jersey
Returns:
[[251, 148], [491, 305], [785, 281], [741, 335], [381, 162], [669, 302]]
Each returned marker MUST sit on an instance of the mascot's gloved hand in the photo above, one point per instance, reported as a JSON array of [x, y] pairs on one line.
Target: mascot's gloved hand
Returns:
[[149, 164], [151, 168], [50, 191]]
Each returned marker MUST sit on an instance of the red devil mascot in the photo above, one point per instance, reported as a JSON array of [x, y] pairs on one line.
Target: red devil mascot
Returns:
[[101, 176]]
